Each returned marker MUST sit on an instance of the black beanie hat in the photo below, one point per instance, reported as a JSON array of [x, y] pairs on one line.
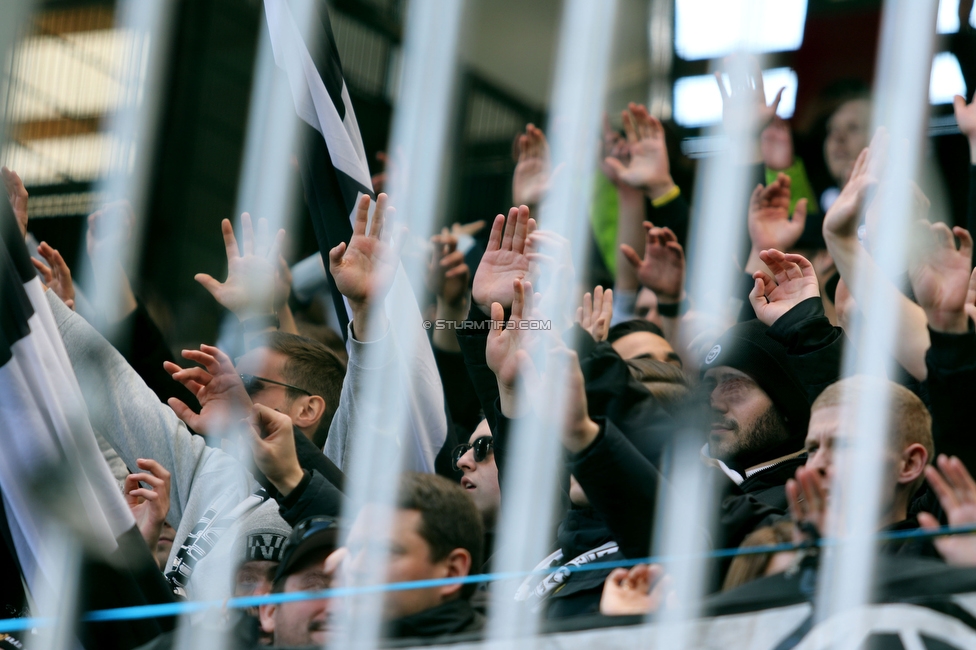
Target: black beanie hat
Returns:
[[747, 348], [631, 326]]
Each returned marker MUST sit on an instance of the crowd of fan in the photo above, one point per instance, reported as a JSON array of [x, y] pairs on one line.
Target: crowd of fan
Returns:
[[765, 389]]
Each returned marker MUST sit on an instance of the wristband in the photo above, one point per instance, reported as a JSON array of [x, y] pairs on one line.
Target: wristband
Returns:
[[673, 309], [260, 323], [667, 197]]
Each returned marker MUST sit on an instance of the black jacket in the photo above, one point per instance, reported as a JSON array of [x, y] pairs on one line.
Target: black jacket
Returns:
[[581, 530], [951, 384], [314, 495], [452, 617]]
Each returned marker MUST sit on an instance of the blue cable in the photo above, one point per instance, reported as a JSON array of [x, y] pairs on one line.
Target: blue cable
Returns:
[[189, 607]]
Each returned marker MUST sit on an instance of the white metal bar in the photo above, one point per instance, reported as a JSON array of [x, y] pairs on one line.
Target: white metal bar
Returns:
[[526, 521], [417, 146], [133, 132], [900, 105]]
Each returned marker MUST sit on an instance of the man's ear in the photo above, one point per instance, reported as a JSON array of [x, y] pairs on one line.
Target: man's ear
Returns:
[[914, 458], [457, 564], [266, 615], [311, 411]]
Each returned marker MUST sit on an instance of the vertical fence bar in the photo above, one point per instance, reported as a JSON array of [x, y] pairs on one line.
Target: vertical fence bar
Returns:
[[900, 105], [133, 128], [685, 512], [526, 523], [272, 129], [421, 123]]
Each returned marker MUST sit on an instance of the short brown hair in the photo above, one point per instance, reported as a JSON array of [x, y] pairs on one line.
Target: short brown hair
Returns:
[[313, 367], [909, 422], [448, 518]]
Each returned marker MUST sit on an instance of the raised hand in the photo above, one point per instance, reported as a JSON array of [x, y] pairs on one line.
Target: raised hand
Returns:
[[770, 225], [17, 195], [148, 506], [956, 490], [447, 274], [970, 306], [642, 589], [273, 448], [218, 388], [940, 275], [841, 219], [776, 144], [364, 269], [504, 347], [807, 499], [249, 288], [282, 286], [505, 260], [647, 168], [57, 276], [795, 281], [663, 268], [744, 109], [507, 351], [614, 146], [596, 313], [531, 179], [966, 119]]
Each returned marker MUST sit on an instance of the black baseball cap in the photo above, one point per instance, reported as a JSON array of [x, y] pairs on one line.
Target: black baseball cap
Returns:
[[310, 536]]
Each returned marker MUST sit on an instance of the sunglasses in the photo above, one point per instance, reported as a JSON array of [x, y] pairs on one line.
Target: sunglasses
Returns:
[[482, 447], [252, 384]]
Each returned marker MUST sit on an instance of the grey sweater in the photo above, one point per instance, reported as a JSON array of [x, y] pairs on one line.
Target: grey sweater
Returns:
[[212, 497]]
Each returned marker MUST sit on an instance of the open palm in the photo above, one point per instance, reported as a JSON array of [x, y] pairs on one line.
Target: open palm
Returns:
[[662, 269], [531, 178], [956, 490], [249, 287], [505, 260], [793, 281], [506, 349], [218, 388], [770, 225], [647, 168], [940, 276], [364, 268]]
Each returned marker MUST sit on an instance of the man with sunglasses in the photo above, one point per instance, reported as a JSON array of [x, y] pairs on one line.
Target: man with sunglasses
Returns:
[[476, 461], [296, 376]]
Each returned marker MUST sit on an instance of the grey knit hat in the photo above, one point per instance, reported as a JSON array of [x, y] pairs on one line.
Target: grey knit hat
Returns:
[[262, 535]]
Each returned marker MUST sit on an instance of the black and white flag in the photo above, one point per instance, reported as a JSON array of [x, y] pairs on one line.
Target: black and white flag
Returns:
[[45, 434], [335, 175], [334, 168]]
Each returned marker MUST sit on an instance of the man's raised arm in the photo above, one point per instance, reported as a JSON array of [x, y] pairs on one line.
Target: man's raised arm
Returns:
[[130, 416], [364, 271]]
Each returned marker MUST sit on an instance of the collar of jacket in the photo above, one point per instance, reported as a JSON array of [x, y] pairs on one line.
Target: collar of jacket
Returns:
[[581, 530], [738, 478], [451, 617]]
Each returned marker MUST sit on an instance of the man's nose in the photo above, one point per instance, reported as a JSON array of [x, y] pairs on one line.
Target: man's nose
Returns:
[[466, 461], [819, 463], [717, 402]]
